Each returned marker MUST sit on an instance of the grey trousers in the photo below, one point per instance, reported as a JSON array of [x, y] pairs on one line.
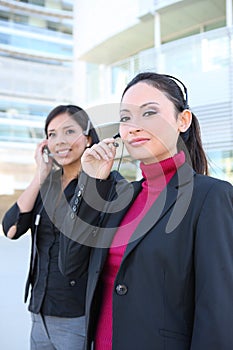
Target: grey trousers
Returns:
[[57, 333]]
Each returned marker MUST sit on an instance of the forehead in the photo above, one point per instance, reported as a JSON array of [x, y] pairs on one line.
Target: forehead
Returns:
[[61, 121], [142, 93]]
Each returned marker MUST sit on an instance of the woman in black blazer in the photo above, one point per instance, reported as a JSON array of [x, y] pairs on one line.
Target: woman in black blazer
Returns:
[[57, 303], [159, 251]]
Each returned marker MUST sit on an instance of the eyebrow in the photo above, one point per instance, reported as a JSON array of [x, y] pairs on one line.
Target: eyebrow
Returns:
[[142, 106], [149, 103], [65, 127]]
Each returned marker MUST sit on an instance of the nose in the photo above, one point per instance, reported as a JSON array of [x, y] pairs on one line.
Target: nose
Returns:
[[60, 141], [129, 129], [60, 138], [133, 129]]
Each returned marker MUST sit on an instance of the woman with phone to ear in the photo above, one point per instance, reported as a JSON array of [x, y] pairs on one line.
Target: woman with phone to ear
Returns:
[[57, 303], [160, 268]]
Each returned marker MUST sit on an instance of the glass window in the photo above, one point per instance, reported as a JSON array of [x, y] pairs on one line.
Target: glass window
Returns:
[[66, 28], [37, 2], [4, 16], [4, 38], [53, 26], [15, 109], [36, 44], [120, 76], [17, 18], [221, 164], [34, 2], [67, 5], [20, 133]]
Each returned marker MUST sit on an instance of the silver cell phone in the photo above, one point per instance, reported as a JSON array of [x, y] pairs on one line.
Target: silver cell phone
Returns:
[[45, 154]]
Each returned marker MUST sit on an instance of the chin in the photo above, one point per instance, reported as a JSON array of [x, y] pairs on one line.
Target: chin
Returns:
[[144, 158], [63, 161]]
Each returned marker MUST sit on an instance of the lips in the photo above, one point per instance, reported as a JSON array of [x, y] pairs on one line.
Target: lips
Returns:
[[137, 141], [63, 152]]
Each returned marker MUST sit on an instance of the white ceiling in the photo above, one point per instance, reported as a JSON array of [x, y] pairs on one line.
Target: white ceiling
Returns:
[[177, 20]]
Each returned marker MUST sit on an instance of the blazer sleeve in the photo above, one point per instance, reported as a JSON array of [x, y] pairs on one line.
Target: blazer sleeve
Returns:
[[213, 258], [78, 233], [14, 217]]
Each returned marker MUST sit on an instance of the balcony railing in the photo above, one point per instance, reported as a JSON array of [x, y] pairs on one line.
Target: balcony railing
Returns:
[[35, 80], [40, 10], [32, 30]]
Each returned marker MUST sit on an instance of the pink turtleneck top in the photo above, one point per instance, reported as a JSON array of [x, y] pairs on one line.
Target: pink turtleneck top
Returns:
[[156, 176]]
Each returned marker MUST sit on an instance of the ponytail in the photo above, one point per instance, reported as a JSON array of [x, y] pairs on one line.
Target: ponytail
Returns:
[[190, 142]]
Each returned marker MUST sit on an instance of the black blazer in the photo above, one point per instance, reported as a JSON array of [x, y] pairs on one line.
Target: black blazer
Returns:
[[52, 293], [174, 288]]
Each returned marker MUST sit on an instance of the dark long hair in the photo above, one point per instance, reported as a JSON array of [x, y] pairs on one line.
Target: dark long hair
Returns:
[[189, 141], [77, 114]]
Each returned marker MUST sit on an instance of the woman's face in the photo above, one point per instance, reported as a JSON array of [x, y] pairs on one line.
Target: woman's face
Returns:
[[149, 126], [66, 140]]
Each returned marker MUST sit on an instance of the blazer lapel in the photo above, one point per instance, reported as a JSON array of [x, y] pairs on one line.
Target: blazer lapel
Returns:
[[101, 252], [176, 197], [110, 222]]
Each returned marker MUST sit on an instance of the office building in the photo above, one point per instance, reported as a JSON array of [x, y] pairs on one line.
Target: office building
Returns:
[[36, 55], [190, 39], [107, 43]]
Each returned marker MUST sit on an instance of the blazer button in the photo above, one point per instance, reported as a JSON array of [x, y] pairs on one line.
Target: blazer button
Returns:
[[79, 193], [94, 232], [72, 283], [121, 289]]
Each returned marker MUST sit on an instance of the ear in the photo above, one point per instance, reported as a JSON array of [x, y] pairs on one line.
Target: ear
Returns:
[[184, 120]]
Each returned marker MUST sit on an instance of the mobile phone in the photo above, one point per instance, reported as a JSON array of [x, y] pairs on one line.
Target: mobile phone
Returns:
[[45, 154]]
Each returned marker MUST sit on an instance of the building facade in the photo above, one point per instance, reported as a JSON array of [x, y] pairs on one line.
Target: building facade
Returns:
[[85, 52], [190, 39], [36, 55]]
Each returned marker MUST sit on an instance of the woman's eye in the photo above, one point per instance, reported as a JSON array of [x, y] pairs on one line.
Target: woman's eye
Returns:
[[51, 134], [149, 113], [124, 118], [70, 131]]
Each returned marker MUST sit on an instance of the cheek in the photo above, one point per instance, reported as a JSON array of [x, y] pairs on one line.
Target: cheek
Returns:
[[165, 130], [51, 144], [123, 131], [79, 143]]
